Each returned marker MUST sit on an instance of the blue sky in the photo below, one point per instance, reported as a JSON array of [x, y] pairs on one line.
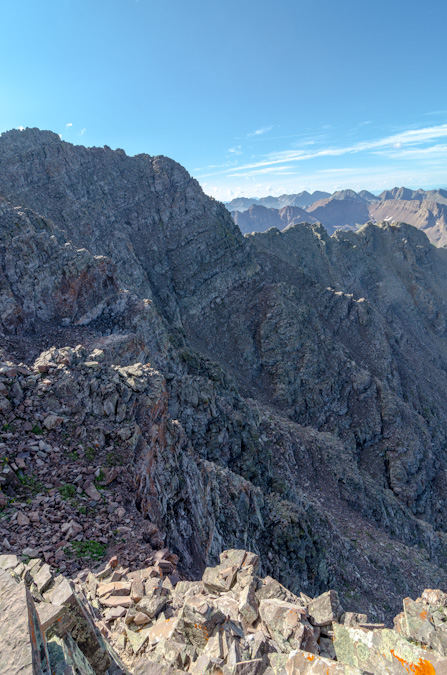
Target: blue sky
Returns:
[[253, 98]]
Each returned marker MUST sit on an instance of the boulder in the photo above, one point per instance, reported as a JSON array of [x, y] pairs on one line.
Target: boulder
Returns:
[[248, 604], [116, 588], [220, 579], [287, 624], [271, 589], [43, 578], [197, 620], [49, 614], [165, 629], [8, 562], [240, 558], [424, 623], [325, 609], [137, 639], [205, 665], [152, 606]]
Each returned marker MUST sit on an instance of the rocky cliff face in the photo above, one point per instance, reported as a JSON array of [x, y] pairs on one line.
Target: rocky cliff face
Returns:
[[282, 392], [141, 211]]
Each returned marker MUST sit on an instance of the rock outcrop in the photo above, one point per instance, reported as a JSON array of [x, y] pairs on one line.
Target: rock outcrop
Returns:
[[232, 622]]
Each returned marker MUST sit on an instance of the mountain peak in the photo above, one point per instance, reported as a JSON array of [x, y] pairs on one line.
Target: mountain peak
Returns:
[[19, 139]]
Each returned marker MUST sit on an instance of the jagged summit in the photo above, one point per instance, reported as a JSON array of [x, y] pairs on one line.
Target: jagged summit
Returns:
[[14, 139], [135, 209]]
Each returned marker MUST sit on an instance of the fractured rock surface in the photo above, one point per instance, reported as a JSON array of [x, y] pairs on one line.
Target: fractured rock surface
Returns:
[[202, 630]]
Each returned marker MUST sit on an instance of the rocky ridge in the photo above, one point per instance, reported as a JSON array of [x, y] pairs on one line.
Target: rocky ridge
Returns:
[[281, 392]]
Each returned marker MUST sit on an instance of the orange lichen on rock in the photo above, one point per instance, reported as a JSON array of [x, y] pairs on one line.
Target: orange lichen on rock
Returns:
[[423, 667]]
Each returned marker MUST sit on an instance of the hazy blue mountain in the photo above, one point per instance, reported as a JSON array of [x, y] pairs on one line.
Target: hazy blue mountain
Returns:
[[302, 200]]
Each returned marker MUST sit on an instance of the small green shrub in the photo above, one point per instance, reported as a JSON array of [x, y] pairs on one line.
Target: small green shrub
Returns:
[[30, 482], [67, 491], [90, 549], [90, 454]]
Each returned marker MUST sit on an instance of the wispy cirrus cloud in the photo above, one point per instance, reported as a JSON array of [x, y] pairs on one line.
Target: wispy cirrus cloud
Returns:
[[415, 153], [408, 139], [276, 170], [69, 124], [260, 132], [237, 150], [436, 112]]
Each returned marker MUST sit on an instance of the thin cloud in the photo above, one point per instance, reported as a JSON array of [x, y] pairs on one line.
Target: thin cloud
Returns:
[[410, 138], [358, 178], [346, 170], [436, 112], [215, 166], [277, 170], [237, 150], [82, 132], [69, 124], [415, 153], [260, 132]]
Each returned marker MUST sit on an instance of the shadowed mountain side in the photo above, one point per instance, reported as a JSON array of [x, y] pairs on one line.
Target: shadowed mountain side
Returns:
[[341, 212], [259, 218]]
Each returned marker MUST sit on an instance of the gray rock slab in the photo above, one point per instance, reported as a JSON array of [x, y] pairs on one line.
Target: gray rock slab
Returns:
[[23, 650]]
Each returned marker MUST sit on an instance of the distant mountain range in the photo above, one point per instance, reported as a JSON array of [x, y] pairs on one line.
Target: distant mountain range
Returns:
[[346, 210], [302, 199]]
